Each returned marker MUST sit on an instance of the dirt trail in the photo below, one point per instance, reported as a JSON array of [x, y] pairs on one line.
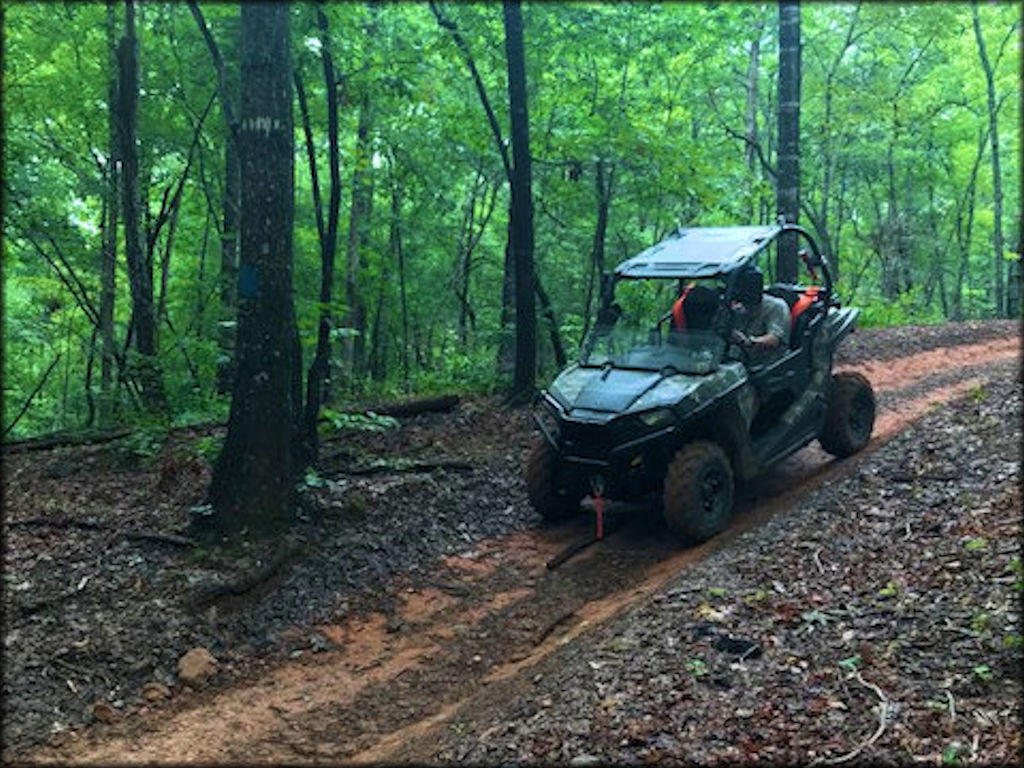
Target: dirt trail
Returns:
[[489, 616]]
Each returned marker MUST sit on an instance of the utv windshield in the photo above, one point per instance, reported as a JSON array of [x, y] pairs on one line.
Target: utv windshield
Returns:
[[626, 345]]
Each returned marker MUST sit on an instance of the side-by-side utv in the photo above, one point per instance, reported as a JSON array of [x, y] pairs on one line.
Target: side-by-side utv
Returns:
[[666, 404]]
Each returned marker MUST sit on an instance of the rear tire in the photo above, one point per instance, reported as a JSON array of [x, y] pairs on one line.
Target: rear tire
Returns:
[[541, 470], [698, 495], [850, 417]]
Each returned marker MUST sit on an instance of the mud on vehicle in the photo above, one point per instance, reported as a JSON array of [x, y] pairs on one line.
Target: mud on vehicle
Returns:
[[660, 403]]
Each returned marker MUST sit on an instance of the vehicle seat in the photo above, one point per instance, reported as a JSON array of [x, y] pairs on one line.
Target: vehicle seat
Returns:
[[695, 309], [804, 304], [808, 306]]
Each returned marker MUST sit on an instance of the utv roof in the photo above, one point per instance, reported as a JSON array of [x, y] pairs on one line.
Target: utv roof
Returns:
[[698, 252]]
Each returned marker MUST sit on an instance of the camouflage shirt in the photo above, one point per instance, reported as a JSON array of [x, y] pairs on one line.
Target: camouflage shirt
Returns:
[[770, 316]]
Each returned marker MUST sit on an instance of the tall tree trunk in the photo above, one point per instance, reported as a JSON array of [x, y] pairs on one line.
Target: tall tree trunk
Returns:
[[358, 226], [472, 230], [788, 190], [890, 242], [521, 228], [548, 313], [750, 121], [140, 264], [604, 186], [318, 369], [108, 270], [399, 253], [964, 230], [255, 473], [506, 338], [998, 262]]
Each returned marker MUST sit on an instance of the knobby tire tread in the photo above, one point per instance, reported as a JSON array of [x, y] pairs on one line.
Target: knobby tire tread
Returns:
[[837, 437]]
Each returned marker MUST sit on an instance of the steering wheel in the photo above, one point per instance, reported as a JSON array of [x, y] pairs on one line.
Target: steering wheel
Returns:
[[724, 324]]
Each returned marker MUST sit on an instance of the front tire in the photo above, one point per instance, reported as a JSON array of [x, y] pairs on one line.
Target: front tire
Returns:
[[545, 496], [698, 494], [851, 415]]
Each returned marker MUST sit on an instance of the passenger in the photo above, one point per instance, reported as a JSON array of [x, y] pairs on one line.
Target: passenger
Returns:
[[695, 309], [763, 328]]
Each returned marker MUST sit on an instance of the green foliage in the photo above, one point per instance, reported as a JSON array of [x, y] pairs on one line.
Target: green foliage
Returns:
[[208, 447], [648, 98], [976, 544], [359, 422], [889, 590], [697, 667], [144, 443], [981, 622], [951, 754]]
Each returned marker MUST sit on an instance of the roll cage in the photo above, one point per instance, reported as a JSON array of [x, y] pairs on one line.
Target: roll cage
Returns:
[[698, 253]]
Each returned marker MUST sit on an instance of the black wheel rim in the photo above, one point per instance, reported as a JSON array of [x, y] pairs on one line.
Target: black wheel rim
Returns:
[[714, 492], [862, 416]]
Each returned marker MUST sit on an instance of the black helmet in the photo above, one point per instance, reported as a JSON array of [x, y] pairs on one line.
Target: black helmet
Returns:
[[749, 285]]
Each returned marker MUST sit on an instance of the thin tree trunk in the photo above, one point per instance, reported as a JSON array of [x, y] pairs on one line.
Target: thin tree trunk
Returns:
[[750, 122], [998, 262], [358, 225], [604, 185], [964, 230], [90, 401], [788, 191], [140, 268], [548, 313], [521, 204], [108, 270], [318, 369], [201, 291], [229, 229], [399, 252]]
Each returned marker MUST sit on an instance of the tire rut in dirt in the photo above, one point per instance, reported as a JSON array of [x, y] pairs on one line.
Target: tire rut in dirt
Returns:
[[622, 692], [459, 670]]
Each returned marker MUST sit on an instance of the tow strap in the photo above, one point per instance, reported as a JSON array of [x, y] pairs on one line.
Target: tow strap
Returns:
[[597, 493]]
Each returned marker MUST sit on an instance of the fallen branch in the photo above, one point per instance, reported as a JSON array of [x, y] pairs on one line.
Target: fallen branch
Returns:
[[56, 441], [883, 713], [440, 404]]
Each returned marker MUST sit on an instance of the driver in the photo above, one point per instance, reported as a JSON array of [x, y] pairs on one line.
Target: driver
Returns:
[[763, 320]]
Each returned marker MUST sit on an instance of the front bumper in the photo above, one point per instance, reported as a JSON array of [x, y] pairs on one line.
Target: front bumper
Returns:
[[629, 459]]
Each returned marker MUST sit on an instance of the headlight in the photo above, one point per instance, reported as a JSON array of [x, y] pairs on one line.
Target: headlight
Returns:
[[659, 417]]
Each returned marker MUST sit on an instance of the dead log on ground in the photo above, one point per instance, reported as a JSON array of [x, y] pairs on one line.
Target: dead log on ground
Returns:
[[439, 404], [128, 533]]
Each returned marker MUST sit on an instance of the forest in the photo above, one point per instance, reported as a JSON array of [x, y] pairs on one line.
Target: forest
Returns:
[[122, 185], [288, 475]]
